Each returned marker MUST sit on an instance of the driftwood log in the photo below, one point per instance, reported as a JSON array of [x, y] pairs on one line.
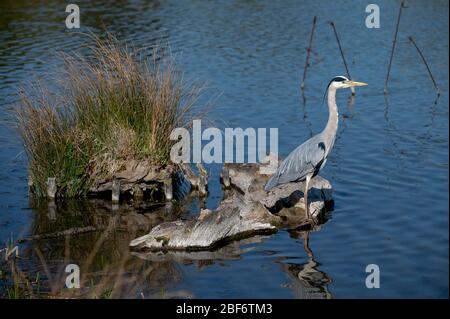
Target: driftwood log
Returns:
[[245, 211]]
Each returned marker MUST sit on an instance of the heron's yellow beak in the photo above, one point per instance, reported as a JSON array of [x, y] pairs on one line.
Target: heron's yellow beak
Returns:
[[354, 83]]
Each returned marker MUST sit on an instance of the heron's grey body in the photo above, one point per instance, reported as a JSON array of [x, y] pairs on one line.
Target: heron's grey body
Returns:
[[309, 158]]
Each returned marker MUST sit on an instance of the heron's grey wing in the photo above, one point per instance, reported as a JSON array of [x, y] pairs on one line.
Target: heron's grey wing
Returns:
[[304, 160]]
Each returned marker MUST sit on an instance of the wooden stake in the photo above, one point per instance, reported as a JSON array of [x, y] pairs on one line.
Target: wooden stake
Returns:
[[51, 210], [168, 188], [342, 54], [402, 5], [115, 191], [51, 187], [30, 183], [308, 53], [426, 64]]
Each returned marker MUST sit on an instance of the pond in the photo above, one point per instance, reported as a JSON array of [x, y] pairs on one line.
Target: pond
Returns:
[[388, 168]]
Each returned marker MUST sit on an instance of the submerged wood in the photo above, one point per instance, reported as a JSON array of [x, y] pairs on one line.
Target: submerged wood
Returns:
[[233, 251], [246, 210], [71, 231]]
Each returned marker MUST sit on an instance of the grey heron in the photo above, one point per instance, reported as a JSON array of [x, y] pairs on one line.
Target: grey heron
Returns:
[[305, 162]]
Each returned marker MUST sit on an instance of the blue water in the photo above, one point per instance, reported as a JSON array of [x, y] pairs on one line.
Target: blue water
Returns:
[[388, 168]]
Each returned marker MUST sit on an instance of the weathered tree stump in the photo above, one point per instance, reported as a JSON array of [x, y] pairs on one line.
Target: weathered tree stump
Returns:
[[134, 175], [137, 178], [246, 210]]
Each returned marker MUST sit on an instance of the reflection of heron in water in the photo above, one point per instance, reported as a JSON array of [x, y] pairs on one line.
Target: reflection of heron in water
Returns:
[[308, 281], [306, 160]]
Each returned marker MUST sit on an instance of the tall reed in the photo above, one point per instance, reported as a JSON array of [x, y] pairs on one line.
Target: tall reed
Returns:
[[113, 104]]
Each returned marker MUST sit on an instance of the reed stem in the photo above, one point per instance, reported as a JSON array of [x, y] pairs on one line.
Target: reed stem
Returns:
[[426, 64], [394, 42], [308, 52], [342, 54]]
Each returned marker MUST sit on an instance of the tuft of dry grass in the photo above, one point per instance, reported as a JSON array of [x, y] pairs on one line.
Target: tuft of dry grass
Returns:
[[113, 105]]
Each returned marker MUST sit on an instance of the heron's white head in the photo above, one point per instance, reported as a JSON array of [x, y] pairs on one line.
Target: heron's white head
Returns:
[[341, 82]]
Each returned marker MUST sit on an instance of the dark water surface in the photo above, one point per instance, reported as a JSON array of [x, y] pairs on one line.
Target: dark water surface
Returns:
[[389, 166]]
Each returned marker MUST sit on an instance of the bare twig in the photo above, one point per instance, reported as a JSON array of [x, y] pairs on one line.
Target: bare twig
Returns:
[[342, 54], [308, 52], [402, 5], [10, 251], [426, 64]]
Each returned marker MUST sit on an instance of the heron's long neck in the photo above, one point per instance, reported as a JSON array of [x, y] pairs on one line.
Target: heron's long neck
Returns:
[[330, 130]]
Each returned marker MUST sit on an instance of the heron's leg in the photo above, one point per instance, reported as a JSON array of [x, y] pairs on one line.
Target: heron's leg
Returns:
[[308, 178]]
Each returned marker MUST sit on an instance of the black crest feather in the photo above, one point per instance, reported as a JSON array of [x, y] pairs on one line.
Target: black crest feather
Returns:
[[335, 79]]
